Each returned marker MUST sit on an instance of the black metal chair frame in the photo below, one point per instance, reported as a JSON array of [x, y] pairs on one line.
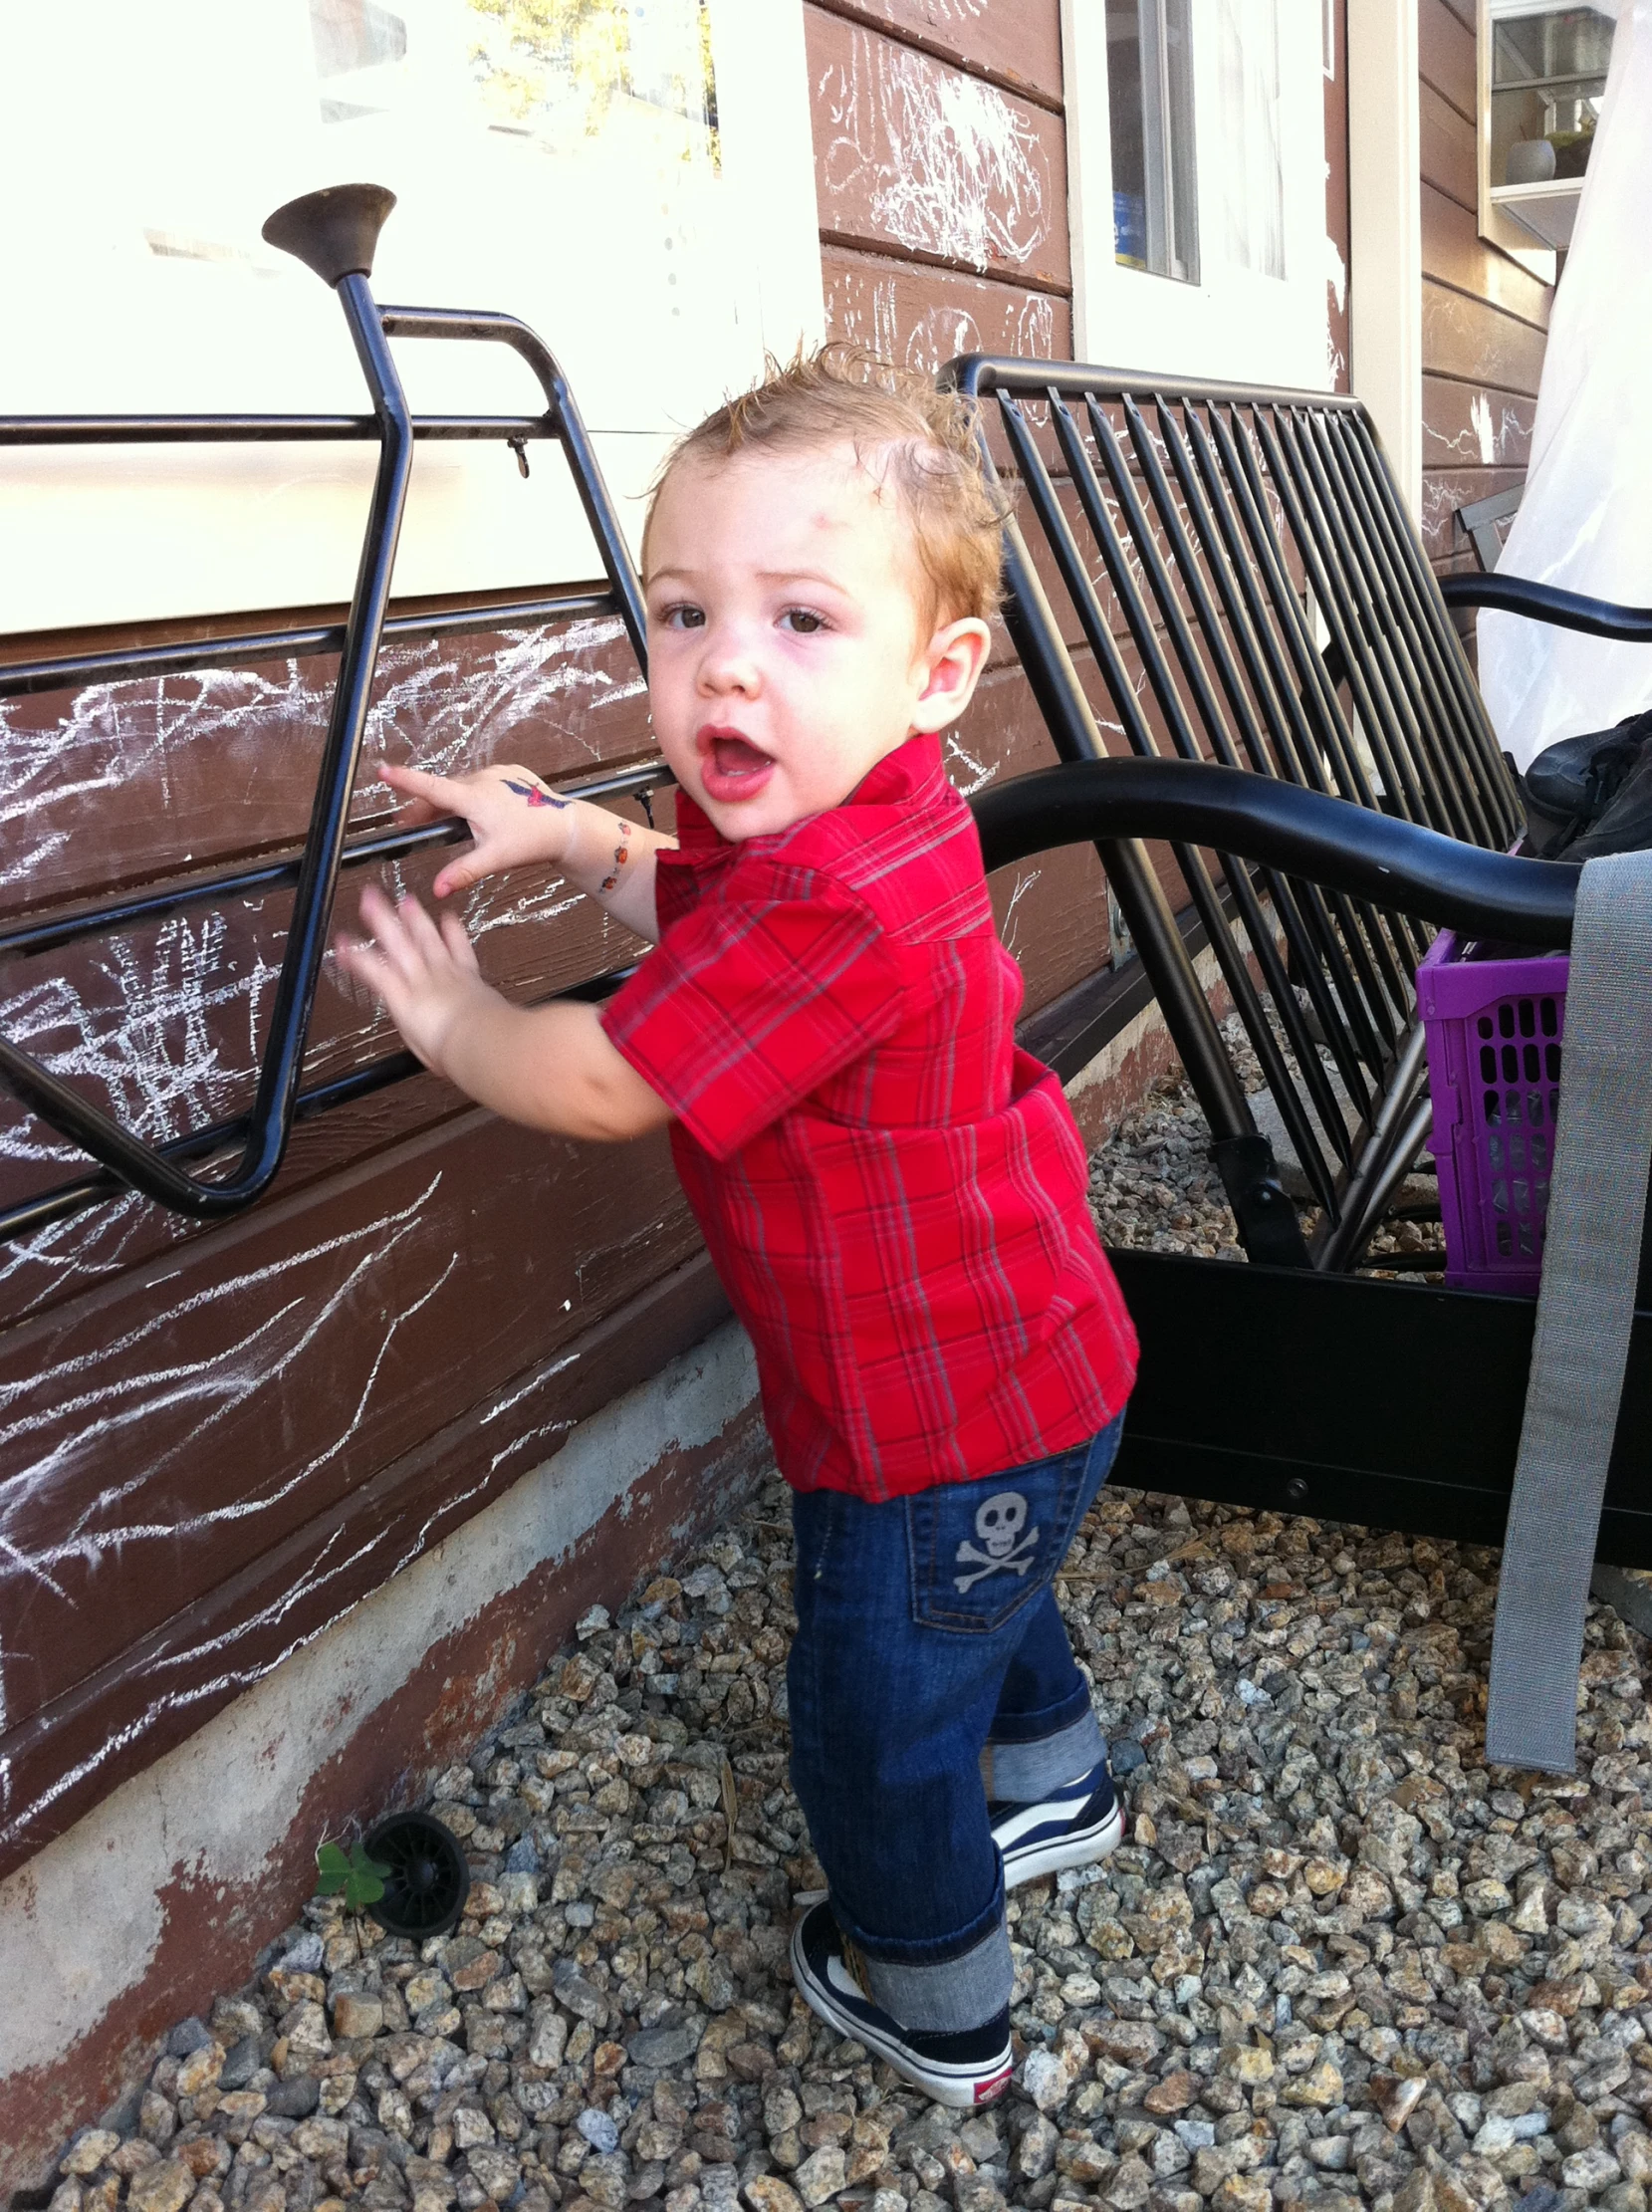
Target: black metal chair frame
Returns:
[[1479, 524], [334, 233], [1295, 1385], [1208, 510]]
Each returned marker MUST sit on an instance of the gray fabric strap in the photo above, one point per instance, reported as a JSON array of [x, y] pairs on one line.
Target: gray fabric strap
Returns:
[[1591, 1250]]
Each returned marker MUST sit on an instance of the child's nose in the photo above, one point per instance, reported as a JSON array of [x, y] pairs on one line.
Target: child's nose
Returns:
[[729, 664]]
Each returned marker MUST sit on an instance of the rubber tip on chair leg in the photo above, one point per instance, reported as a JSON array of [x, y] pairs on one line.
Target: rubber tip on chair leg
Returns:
[[334, 231]]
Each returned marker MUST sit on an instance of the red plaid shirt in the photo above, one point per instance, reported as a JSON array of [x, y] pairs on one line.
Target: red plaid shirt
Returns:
[[892, 1194]]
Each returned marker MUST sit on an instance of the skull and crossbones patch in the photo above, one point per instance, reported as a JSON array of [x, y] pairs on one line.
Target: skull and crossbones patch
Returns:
[[1007, 1544]]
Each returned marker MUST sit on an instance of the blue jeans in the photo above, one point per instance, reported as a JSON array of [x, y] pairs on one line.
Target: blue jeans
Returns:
[[930, 1670]]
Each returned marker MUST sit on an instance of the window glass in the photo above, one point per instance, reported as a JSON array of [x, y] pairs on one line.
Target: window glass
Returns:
[[1206, 119], [1548, 77], [1252, 172], [1155, 163]]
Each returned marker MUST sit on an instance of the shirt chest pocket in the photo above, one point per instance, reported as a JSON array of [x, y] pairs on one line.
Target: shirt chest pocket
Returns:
[[981, 1551]]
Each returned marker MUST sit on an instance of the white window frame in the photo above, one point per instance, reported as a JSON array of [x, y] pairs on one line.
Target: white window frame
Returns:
[[114, 535], [1385, 232], [1234, 323]]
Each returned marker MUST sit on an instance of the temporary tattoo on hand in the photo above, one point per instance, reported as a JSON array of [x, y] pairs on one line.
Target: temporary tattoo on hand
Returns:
[[620, 857], [534, 796]]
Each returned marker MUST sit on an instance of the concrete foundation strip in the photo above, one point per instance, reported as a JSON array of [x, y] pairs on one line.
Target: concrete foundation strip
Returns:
[[1596, 1202]]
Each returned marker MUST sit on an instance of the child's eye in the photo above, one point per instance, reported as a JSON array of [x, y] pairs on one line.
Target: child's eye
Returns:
[[683, 618], [803, 620]]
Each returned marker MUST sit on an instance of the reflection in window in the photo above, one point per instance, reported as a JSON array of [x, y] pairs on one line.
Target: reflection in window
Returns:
[[359, 48], [1252, 176], [553, 70], [1150, 97]]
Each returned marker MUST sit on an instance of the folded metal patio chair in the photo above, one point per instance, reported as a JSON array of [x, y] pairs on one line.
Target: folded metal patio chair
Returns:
[[1228, 578]]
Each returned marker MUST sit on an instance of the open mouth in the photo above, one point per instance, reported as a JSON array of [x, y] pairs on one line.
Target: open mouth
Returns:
[[733, 769]]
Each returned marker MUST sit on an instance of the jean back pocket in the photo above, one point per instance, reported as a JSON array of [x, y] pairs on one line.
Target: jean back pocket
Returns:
[[980, 1551]]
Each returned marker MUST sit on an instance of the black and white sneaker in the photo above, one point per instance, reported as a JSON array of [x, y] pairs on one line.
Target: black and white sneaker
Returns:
[[969, 2069], [1077, 1825]]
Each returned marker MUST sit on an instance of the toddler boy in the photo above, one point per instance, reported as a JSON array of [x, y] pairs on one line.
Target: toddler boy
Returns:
[[892, 1194]]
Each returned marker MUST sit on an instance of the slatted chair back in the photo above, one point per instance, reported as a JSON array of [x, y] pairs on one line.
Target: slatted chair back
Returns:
[[1226, 573]]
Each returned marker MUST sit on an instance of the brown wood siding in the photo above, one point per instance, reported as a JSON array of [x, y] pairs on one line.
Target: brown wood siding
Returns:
[[940, 160], [1003, 42], [925, 161], [1485, 315], [214, 1441]]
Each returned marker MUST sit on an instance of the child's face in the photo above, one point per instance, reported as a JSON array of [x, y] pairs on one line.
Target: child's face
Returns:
[[789, 650]]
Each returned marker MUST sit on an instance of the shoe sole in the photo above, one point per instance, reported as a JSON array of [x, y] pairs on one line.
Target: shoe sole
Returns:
[[1076, 1847], [964, 2088]]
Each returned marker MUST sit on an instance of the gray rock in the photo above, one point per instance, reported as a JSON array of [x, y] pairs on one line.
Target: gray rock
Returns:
[[821, 2175], [189, 2035], [1035, 2152], [579, 1996], [303, 1955], [295, 2098], [122, 2115], [1590, 2169], [597, 2130], [242, 2063], [91, 2147], [497, 2169], [664, 2046], [165, 2187]]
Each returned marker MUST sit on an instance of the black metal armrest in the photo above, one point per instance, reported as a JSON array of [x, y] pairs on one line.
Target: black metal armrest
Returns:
[[1543, 603], [1304, 834]]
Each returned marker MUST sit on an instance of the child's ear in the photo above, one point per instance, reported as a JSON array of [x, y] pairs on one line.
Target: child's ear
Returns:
[[954, 657]]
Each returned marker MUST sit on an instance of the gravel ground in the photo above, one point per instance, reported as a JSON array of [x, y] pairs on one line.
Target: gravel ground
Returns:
[[1339, 1962], [1154, 1184]]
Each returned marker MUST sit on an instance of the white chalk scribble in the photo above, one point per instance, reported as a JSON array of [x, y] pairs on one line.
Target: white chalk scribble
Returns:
[[948, 165]]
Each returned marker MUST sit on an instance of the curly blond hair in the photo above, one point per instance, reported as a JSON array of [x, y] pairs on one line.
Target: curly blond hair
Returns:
[[921, 441]]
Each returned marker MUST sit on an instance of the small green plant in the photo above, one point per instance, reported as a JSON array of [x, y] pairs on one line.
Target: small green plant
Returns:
[[359, 1877]]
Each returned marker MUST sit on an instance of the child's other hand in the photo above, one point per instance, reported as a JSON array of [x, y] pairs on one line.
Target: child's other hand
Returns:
[[427, 978], [515, 819]]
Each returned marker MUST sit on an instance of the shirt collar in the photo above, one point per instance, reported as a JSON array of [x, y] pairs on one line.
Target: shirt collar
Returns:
[[909, 772]]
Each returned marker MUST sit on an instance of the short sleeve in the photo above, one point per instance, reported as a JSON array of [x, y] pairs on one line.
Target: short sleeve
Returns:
[[746, 1007]]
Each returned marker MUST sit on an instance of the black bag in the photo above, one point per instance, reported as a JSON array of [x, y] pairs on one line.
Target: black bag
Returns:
[[1588, 795]]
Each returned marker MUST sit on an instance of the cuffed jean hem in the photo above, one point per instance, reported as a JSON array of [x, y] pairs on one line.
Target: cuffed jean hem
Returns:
[[949, 1996], [1023, 1773], [930, 1951]]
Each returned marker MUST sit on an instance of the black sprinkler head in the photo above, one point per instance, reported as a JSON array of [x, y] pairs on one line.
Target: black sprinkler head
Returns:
[[429, 1878]]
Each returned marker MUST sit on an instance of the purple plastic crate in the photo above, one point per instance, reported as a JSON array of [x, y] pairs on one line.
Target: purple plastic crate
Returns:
[[1494, 1030]]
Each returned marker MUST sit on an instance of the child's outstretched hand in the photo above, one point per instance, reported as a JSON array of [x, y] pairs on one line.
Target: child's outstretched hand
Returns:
[[427, 977], [547, 1067], [516, 819]]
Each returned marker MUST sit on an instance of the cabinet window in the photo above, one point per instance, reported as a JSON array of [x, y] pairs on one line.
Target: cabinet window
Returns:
[[1548, 75], [1155, 176], [1542, 74]]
